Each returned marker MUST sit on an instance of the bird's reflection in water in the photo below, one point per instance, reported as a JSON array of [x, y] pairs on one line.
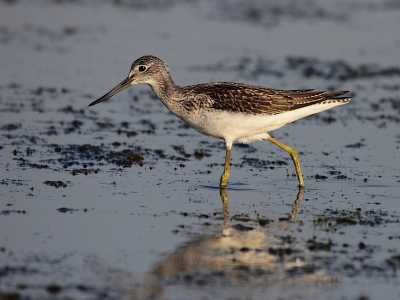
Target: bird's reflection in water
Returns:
[[249, 252], [295, 207], [225, 199]]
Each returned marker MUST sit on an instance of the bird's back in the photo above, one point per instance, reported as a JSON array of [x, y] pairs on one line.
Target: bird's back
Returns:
[[251, 99]]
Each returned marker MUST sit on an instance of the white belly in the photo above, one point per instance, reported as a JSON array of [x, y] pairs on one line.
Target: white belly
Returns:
[[246, 127]]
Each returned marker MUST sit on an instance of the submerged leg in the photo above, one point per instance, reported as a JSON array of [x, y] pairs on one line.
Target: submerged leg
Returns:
[[225, 175], [295, 206], [294, 156]]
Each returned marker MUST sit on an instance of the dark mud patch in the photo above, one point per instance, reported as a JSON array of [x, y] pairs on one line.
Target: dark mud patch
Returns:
[[85, 171], [307, 67], [38, 166], [48, 288], [125, 158], [240, 227], [15, 182], [8, 212], [72, 155], [200, 154], [11, 127], [65, 210], [270, 14], [334, 220], [181, 151], [56, 184], [240, 222], [260, 163], [339, 70]]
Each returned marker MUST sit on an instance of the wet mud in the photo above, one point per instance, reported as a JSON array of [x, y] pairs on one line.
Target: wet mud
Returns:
[[122, 201]]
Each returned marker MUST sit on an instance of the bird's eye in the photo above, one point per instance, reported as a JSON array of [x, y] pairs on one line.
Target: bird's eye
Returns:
[[142, 68]]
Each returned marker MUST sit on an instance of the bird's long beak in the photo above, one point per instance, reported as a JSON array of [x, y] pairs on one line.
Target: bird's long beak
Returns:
[[120, 87]]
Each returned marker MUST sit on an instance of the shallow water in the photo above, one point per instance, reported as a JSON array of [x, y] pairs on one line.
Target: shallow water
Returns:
[[121, 200]]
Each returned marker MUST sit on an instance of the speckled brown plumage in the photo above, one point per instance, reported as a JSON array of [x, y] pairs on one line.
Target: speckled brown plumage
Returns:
[[251, 99]]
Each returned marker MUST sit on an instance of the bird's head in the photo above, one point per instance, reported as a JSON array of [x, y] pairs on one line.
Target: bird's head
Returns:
[[146, 69]]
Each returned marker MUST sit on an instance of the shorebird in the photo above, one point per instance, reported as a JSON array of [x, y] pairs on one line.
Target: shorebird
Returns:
[[227, 110]]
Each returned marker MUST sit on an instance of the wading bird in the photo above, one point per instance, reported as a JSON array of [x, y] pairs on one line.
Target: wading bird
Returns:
[[229, 111]]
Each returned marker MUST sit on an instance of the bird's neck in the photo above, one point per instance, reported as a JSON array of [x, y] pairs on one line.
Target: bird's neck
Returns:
[[166, 90]]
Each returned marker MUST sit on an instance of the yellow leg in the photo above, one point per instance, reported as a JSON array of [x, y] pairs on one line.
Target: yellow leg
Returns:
[[294, 156], [225, 175]]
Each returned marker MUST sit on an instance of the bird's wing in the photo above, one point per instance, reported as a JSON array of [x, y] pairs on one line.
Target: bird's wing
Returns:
[[260, 100]]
